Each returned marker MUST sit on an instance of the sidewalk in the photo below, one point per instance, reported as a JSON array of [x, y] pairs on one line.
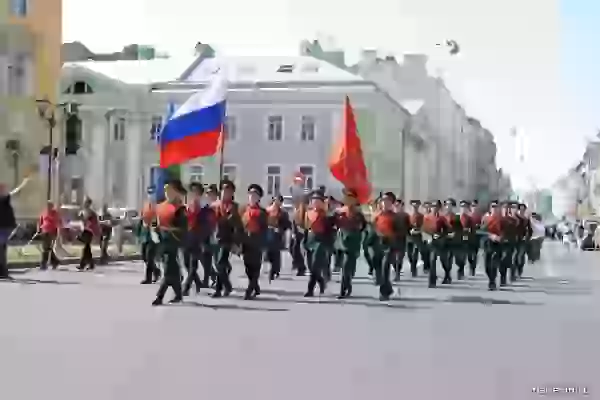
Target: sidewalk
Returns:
[[20, 257]]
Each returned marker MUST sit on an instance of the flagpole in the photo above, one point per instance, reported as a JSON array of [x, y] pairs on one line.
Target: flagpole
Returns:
[[221, 154]]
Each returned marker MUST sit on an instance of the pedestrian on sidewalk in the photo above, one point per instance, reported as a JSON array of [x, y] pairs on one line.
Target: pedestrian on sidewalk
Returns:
[[8, 223]]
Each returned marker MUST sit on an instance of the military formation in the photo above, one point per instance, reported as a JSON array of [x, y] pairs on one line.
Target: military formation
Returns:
[[208, 227]]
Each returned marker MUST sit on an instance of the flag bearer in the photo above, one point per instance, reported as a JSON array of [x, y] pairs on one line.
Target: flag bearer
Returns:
[[414, 245], [193, 243], [319, 229], [492, 224], [49, 228], [172, 224], [148, 238], [387, 232], [351, 223], [254, 221], [278, 223], [464, 238], [227, 236], [434, 230]]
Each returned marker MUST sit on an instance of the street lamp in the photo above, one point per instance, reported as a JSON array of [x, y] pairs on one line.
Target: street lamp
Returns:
[[46, 112]]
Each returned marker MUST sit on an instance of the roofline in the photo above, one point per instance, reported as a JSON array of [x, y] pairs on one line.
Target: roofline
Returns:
[[262, 85]]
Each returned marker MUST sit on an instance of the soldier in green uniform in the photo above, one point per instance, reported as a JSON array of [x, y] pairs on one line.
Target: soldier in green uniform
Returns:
[[172, 225], [351, 223], [319, 230], [212, 196], [414, 244], [148, 239], [510, 230], [463, 238], [279, 223], [254, 221]]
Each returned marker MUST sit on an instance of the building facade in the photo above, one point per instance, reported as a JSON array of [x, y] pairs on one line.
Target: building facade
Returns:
[[284, 116], [30, 42], [459, 154]]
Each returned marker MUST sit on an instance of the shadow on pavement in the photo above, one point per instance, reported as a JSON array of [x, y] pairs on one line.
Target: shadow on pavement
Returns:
[[234, 307], [489, 301], [24, 281]]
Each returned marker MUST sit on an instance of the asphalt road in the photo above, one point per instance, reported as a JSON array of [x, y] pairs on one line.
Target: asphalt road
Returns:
[[94, 336]]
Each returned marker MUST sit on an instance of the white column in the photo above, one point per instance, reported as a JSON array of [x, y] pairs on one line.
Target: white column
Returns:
[[95, 154], [134, 139]]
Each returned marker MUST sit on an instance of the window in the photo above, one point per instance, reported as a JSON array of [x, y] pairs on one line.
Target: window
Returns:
[[273, 180], [307, 130], [308, 172], [230, 172], [230, 128], [17, 72], [119, 130], [275, 130], [156, 128], [19, 8], [80, 87], [196, 173]]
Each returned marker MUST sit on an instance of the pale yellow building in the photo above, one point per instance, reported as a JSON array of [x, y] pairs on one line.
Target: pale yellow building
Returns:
[[30, 44]]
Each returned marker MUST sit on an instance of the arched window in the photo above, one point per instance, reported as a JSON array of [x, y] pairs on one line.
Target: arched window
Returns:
[[79, 87]]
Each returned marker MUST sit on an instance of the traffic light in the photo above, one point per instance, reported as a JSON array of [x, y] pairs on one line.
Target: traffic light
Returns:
[[72, 135]]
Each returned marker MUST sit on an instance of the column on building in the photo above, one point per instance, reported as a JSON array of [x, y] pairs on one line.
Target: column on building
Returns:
[[96, 156], [135, 135]]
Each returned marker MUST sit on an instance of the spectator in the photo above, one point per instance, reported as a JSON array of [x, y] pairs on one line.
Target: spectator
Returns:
[[8, 223]]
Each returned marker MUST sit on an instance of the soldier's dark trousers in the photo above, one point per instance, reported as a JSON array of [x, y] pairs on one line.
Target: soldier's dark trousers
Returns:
[[327, 268], [223, 271], [507, 264], [385, 258], [206, 259], [400, 253], [316, 259], [191, 259], [460, 258], [298, 262], [172, 277], [447, 259], [3, 260], [473, 255], [338, 260], [152, 272], [368, 254], [252, 262], [412, 250], [492, 260], [435, 252], [48, 254], [520, 254], [87, 258], [274, 258], [348, 261], [104, 242], [426, 257]]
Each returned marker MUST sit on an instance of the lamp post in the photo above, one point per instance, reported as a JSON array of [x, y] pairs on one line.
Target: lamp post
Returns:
[[46, 112]]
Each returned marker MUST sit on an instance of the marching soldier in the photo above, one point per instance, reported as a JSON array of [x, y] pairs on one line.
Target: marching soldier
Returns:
[[212, 195], [510, 231], [388, 231], [473, 253], [172, 224], [319, 229], [404, 225], [463, 238], [434, 230], [148, 238], [254, 221], [106, 221], [229, 229], [524, 232], [452, 241], [298, 236], [49, 227], [91, 229], [351, 223], [369, 239], [193, 250], [492, 224], [278, 223], [414, 245]]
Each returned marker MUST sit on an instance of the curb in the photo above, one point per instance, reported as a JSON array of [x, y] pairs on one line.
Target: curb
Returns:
[[71, 261]]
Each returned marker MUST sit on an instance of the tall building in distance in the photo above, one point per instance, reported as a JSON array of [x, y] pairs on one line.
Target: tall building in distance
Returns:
[[30, 48]]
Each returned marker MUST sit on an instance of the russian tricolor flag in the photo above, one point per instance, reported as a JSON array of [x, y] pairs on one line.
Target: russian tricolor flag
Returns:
[[195, 129]]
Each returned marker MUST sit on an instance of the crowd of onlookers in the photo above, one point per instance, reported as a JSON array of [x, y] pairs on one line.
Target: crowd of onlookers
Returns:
[[583, 233]]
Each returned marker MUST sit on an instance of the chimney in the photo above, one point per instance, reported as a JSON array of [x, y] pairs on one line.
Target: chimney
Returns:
[[204, 50], [368, 56]]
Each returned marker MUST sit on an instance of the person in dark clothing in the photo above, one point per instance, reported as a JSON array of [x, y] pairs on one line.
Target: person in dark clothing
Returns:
[[172, 225], [253, 239], [106, 225], [149, 240], [91, 229], [278, 222], [8, 223]]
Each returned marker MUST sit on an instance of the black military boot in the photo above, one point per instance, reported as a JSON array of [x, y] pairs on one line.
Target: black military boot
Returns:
[[460, 275], [492, 286]]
